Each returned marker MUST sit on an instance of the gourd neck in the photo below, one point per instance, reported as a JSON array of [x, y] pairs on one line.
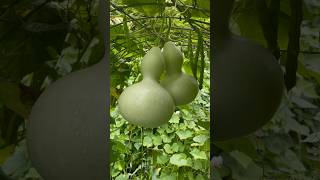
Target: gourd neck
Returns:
[[152, 65], [222, 10], [173, 58]]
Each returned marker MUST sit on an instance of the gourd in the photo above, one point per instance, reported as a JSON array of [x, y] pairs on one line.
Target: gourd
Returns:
[[247, 80], [67, 127], [182, 87], [147, 103]]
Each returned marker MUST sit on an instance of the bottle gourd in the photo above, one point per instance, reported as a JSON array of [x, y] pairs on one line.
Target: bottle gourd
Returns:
[[182, 87], [67, 128], [247, 80], [147, 103]]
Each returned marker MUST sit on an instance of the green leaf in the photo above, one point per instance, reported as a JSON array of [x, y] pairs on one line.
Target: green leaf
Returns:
[[137, 145], [278, 143], [147, 141], [291, 160], [248, 23], [5, 153], [168, 177], [157, 140], [292, 124], [122, 177], [305, 88], [119, 165], [167, 149], [198, 164], [175, 147], [162, 158], [166, 138], [242, 158], [215, 174], [175, 118], [201, 138], [180, 160], [117, 146], [303, 103], [10, 96], [18, 164], [313, 138], [242, 144], [32, 174], [252, 172], [184, 134], [197, 154], [317, 116]]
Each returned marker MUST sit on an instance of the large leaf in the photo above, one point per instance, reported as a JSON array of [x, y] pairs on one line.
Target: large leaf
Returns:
[[10, 96], [180, 160]]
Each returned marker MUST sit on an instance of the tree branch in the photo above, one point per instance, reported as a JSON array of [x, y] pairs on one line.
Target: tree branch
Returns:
[[133, 19], [294, 43], [268, 18]]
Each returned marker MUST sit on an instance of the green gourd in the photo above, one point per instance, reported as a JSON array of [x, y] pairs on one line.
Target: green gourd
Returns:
[[182, 87], [147, 103], [67, 128], [247, 80]]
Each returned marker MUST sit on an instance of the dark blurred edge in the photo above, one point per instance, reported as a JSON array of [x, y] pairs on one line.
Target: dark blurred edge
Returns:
[[104, 24]]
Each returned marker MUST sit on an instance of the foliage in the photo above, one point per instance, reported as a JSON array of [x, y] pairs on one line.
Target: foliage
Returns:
[[179, 149], [43, 40], [288, 146], [40, 42]]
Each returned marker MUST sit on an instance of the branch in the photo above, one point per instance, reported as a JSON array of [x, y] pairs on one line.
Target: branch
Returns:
[[133, 19], [268, 18], [302, 52], [294, 43], [10, 6], [162, 17], [167, 5], [186, 17], [25, 18]]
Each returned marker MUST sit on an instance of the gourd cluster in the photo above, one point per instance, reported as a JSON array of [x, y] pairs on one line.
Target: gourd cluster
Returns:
[[150, 103]]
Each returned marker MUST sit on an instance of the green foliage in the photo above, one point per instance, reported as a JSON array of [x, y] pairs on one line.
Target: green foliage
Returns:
[[179, 149], [41, 41], [288, 146], [175, 148], [37, 49]]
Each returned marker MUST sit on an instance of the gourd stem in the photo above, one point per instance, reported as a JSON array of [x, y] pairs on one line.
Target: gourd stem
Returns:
[[222, 10]]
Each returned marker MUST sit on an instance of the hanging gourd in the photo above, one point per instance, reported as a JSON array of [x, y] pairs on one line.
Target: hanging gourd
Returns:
[[66, 132], [247, 80], [182, 87], [67, 128], [147, 103]]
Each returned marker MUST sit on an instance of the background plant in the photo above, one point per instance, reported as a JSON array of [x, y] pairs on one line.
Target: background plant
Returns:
[[179, 149], [43, 40], [288, 146]]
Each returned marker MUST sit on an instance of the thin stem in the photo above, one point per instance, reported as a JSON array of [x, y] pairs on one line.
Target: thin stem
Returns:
[[165, 4], [128, 15], [162, 17]]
